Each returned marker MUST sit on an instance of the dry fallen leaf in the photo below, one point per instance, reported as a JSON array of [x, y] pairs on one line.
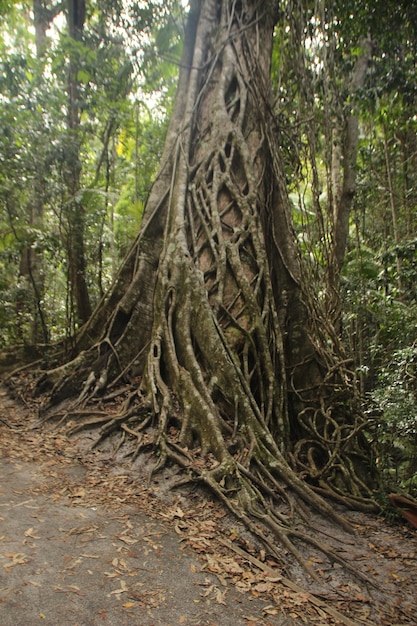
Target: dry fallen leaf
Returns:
[[212, 564], [17, 559], [75, 589], [90, 556], [263, 587], [232, 567], [77, 493], [128, 540], [74, 564], [123, 589], [220, 596]]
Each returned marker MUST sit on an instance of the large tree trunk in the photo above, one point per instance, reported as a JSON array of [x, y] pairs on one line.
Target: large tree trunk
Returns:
[[209, 305]]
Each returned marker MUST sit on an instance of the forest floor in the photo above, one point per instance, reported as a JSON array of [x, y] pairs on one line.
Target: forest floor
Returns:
[[86, 540]]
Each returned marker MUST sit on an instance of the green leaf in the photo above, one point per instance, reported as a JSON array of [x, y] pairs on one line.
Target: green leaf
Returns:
[[83, 77]]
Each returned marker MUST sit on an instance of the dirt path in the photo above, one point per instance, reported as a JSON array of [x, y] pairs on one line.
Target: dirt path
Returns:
[[83, 542], [73, 552], [63, 564]]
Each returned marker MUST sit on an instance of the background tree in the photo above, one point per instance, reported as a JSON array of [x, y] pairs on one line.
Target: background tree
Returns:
[[379, 277], [343, 202], [76, 255], [36, 147], [25, 158]]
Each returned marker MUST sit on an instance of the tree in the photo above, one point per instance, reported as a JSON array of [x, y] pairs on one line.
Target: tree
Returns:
[[59, 186], [243, 376], [77, 263], [379, 275], [31, 268], [329, 61], [23, 167]]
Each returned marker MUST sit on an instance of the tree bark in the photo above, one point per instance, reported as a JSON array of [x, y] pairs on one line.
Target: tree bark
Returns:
[[43, 16]]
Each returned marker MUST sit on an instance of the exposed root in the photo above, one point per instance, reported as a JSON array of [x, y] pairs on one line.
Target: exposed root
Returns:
[[255, 504], [289, 583], [257, 494]]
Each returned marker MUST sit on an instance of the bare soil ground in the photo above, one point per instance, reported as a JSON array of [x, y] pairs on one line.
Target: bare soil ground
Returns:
[[86, 539]]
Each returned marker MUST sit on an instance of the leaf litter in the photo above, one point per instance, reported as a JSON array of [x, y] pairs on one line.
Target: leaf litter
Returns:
[[93, 478]]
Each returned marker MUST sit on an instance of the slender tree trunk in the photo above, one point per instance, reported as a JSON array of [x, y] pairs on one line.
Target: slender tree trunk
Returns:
[[43, 16], [76, 217], [394, 211], [31, 262], [344, 157], [31, 270]]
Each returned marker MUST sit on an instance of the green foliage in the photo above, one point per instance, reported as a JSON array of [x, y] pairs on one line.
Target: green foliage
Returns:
[[403, 255], [317, 47], [394, 404], [382, 331], [116, 150]]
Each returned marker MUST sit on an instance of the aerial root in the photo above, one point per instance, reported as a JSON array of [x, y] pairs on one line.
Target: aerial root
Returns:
[[254, 487], [121, 421], [251, 494], [245, 517], [367, 505], [69, 415]]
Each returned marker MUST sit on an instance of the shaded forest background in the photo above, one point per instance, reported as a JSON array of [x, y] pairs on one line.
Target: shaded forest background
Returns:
[[86, 92]]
